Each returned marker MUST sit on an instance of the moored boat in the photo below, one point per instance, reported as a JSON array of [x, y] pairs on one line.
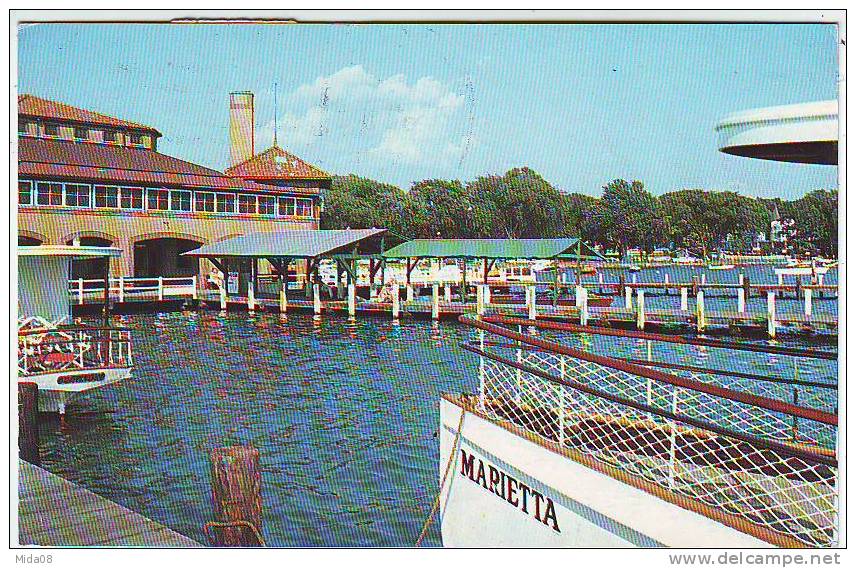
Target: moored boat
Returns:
[[63, 358], [564, 443]]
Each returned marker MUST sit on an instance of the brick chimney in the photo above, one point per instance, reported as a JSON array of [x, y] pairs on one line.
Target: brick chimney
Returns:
[[241, 120]]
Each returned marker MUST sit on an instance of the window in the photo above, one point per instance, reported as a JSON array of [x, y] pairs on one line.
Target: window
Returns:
[[81, 133], [158, 199], [132, 197], [22, 127], [179, 200], [77, 195], [51, 130], [25, 192], [136, 139], [287, 207], [204, 201], [111, 136], [106, 196], [247, 204], [49, 193], [225, 203], [267, 205], [304, 208]]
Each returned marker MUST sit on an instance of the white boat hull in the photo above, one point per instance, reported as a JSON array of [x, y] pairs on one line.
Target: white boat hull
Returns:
[[57, 388], [578, 506]]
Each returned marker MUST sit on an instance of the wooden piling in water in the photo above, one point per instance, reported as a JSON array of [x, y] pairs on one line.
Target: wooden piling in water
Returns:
[[352, 299], [28, 422], [640, 310], [396, 301], [435, 301], [628, 297], [701, 319], [316, 298], [771, 313], [236, 496], [685, 305]]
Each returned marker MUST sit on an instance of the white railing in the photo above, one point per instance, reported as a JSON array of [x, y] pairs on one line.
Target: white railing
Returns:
[[124, 289], [73, 348], [764, 460]]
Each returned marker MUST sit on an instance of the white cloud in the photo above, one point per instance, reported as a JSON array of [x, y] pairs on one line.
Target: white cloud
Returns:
[[353, 118]]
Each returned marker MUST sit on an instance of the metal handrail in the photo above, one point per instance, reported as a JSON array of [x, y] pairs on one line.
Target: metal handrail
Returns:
[[659, 376]]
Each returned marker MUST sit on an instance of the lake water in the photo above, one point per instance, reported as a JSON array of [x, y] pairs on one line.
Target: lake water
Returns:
[[344, 414]]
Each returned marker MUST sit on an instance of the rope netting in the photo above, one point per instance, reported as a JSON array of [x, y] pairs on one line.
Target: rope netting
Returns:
[[735, 443]]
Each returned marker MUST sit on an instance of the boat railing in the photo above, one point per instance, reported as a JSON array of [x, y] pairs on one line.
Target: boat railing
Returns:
[[723, 439], [73, 348]]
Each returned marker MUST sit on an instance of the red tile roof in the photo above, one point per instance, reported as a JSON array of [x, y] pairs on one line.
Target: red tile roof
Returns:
[[276, 164], [119, 164], [29, 105]]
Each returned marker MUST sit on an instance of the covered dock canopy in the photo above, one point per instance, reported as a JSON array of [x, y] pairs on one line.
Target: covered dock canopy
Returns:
[[494, 249], [304, 244], [280, 248]]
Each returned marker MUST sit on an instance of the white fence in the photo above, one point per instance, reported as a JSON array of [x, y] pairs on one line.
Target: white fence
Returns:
[[123, 289]]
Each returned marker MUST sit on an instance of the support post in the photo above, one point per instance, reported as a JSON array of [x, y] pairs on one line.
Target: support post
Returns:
[[771, 313], [435, 301], [316, 298], [480, 299], [578, 296], [80, 291], [807, 303], [666, 282], [28, 422], [409, 292], [701, 321], [685, 304], [532, 297], [236, 495], [628, 297], [447, 293], [160, 288], [487, 294], [283, 293], [352, 298], [223, 295], [640, 310], [195, 294], [584, 311], [703, 278], [741, 301], [122, 289], [251, 287], [396, 301]]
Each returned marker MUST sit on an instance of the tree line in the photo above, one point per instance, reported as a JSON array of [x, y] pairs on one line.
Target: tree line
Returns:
[[522, 204]]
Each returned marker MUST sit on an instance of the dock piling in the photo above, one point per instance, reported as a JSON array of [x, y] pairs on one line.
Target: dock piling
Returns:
[[435, 301], [223, 295], [236, 495], [531, 302], [316, 298], [251, 297], [584, 312], [283, 297], [771, 313], [352, 299], [396, 301], [685, 305], [807, 303], [410, 292], [28, 422], [640, 310], [628, 297], [701, 321], [741, 301], [447, 293], [480, 289]]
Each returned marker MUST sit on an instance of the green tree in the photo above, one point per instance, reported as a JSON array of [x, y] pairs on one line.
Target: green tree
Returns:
[[627, 216], [816, 221], [355, 202]]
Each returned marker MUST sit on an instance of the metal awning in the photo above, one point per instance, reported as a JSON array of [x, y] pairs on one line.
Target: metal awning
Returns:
[[287, 244], [494, 249], [69, 251]]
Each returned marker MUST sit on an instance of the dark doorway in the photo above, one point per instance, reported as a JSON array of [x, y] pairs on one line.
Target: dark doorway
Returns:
[[28, 241], [90, 268], [162, 257]]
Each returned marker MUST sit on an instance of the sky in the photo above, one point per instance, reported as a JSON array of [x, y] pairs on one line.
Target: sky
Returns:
[[580, 104]]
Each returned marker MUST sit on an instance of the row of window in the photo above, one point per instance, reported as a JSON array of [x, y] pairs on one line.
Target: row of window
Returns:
[[51, 130], [48, 193]]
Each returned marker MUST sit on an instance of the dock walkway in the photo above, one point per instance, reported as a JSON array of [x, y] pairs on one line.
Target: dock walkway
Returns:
[[55, 512]]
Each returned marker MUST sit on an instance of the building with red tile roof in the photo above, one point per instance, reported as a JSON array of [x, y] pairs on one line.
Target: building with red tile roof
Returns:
[[99, 180]]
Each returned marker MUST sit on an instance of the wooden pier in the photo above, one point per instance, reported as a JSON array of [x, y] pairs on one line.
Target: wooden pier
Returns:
[[54, 512], [629, 309]]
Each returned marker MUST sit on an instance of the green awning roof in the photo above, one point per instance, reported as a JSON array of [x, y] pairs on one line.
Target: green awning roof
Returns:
[[292, 244], [500, 249]]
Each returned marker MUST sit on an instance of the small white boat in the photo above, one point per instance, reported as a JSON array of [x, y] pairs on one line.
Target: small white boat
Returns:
[[720, 267], [801, 270], [62, 358]]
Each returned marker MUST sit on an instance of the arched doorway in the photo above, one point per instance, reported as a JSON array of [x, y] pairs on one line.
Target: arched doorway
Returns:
[[162, 257], [90, 268], [25, 241]]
